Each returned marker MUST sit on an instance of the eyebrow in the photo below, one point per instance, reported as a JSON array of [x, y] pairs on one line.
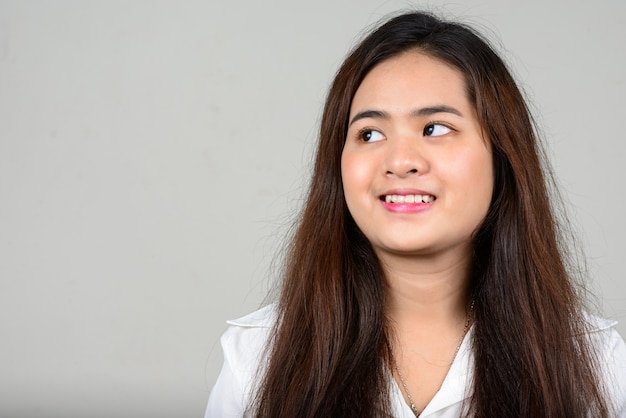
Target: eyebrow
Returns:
[[424, 111]]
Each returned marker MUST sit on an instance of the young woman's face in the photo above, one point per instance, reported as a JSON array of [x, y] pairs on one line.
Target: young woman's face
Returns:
[[417, 172]]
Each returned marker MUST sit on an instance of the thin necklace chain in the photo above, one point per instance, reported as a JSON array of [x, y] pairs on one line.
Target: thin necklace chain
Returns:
[[416, 411]]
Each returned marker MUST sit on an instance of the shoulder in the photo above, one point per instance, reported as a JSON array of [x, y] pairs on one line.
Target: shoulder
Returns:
[[244, 346], [596, 324], [604, 338], [262, 318], [611, 354], [607, 342], [244, 343], [247, 336]]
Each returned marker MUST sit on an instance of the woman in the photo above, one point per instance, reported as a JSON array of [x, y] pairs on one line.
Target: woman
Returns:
[[427, 276]]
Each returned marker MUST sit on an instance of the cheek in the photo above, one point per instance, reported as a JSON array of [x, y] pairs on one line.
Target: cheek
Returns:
[[473, 175], [355, 173], [481, 186], [356, 177]]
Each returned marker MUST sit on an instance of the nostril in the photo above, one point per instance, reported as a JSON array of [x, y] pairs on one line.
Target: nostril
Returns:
[[411, 171]]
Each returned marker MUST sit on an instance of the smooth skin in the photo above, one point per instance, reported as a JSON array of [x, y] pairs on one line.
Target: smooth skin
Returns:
[[413, 131]]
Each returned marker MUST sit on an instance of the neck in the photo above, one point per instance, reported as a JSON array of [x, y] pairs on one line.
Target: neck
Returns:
[[427, 292]]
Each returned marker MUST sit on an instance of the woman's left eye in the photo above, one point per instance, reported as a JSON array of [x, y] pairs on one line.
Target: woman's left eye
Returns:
[[436, 129]]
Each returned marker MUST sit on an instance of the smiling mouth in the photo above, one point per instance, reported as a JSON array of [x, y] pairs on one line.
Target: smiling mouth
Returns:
[[409, 198]]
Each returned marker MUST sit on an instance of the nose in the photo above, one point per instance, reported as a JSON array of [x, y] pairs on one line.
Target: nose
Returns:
[[405, 157]]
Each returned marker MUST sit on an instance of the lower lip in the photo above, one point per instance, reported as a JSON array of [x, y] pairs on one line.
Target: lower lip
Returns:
[[407, 207]]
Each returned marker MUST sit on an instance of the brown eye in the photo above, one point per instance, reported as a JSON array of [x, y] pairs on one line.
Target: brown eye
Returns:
[[436, 129], [370, 135]]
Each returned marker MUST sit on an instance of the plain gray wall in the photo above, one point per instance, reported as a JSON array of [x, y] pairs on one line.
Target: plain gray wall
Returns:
[[153, 153]]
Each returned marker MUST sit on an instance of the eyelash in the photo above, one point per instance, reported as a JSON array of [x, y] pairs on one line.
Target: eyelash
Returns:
[[432, 124], [361, 133], [364, 131]]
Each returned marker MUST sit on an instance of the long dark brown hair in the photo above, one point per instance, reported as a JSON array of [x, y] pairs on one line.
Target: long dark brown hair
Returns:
[[328, 353]]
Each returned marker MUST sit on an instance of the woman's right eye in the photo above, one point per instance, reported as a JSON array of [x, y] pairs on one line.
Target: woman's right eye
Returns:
[[370, 135]]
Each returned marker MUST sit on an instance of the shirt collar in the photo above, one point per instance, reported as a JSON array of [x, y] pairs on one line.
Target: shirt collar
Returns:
[[454, 389]]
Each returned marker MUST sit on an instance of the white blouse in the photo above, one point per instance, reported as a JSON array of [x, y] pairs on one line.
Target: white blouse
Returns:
[[244, 342]]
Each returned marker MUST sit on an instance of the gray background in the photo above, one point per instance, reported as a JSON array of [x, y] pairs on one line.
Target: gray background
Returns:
[[154, 153]]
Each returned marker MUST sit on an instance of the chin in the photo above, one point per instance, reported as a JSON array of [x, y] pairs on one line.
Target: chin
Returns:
[[407, 248]]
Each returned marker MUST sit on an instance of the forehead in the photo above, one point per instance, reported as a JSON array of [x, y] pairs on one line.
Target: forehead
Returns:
[[411, 79]]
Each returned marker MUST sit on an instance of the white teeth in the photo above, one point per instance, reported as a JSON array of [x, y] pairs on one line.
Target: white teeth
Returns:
[[410, 198]]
